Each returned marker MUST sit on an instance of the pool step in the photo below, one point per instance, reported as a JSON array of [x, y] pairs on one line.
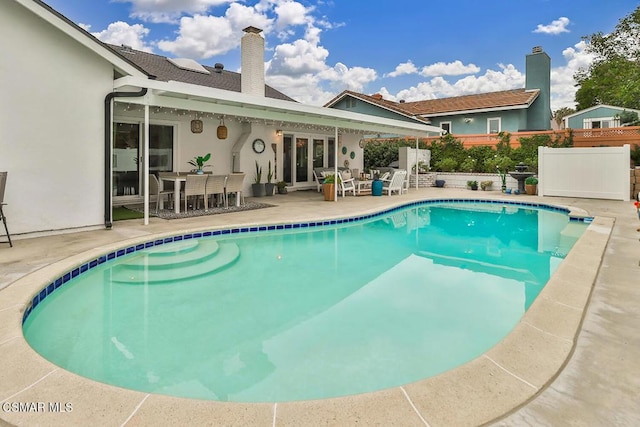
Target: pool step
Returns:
[[224, 255], [183, 254]]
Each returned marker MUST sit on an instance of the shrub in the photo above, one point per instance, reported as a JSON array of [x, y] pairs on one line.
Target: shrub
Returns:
[[447, 165], [531, 180], [468, 165]]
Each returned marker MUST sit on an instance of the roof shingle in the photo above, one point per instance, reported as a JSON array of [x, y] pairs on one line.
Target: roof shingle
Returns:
[[466, 103], [162, 69]]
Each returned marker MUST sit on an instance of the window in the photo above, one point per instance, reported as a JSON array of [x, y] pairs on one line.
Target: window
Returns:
[[494, 125], [351, 102], [446, 126], [600, 123]]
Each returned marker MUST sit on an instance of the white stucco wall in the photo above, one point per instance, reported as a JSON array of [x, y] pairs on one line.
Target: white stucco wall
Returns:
[[51, 125]]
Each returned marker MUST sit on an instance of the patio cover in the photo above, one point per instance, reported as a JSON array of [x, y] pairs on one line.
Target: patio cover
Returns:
[[186, 96]]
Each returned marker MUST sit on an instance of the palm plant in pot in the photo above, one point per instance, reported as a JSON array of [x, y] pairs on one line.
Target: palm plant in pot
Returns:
[[257, 187], [269, 186], [472, 185], [329, 188], [199, 162]]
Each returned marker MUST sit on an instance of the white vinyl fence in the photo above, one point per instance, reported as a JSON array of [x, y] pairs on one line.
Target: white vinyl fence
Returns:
[[592, 173]]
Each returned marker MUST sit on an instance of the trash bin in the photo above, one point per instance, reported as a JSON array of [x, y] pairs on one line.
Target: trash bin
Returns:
[[376, 188]]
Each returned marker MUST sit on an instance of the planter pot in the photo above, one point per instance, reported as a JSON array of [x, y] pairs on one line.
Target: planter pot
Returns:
[[257, 189], [530, 189], [200, 172], [440, 183], [376, 188], [268, 189], [328, 190]]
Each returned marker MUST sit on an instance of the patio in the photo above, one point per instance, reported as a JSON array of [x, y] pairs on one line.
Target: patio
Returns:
[[597, 385]]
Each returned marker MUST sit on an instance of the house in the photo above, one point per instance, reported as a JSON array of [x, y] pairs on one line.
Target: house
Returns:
[[82, 123], [596, 117], [526, 109]]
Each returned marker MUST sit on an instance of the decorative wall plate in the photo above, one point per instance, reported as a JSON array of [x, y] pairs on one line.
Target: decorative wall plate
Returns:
[[258, 146], [344, 150], [352, 155], [196, 126]]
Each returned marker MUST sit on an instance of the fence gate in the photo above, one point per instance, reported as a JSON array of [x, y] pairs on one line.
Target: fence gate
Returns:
[[593, 173]]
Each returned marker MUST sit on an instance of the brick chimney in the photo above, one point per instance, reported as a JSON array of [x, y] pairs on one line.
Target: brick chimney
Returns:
[[252, 46]]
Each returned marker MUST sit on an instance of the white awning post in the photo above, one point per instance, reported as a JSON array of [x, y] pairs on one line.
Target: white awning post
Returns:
[[335, 166], [145, 164], [417, 139]]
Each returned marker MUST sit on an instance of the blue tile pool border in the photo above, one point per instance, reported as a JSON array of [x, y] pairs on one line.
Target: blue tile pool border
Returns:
[[59, 282]]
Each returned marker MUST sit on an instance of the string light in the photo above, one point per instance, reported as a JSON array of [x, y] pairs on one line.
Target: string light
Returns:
[[281, 125]]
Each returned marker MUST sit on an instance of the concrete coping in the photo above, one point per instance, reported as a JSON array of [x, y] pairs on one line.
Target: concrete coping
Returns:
[[483, 390]]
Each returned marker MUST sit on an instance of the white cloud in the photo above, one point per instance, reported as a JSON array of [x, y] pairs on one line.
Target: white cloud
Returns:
[[298, 58], [169, 10], [343, 77], [403, 69], [203, 36], [291, 13], [563, 86], [120, 33], [306, 88], [556, 27], [455, 68], [507, 78]]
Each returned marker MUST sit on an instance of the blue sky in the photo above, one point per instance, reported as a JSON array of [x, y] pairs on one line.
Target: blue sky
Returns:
[[403, 49]]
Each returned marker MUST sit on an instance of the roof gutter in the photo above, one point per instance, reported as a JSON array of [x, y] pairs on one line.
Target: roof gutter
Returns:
[[107, 148]]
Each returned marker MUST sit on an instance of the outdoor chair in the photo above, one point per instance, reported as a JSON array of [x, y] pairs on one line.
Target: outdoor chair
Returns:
[[215, 186], [347, 183], [396, 183], [235, 183], [194, 187], [3, 183], [154, 190], [317, 175]]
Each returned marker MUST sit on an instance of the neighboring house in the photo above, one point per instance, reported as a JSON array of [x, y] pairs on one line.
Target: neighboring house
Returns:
[[82, 123], [515, 110], [596, 117]]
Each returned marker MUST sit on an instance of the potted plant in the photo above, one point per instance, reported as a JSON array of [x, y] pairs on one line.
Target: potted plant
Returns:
[[503, 179], [531, 185], [329, 188], [486, 185], [199, 162], [282, 187], [257, 187], [269, 186], [472, 185]]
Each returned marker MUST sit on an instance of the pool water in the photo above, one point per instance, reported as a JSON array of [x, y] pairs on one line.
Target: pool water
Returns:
[[325, 312]]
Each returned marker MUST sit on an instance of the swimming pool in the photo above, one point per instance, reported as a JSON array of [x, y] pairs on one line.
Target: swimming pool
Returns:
[[271, 336]]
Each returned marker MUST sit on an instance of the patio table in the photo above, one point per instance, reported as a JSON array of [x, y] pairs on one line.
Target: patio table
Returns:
[[363, 186], [177, 180]]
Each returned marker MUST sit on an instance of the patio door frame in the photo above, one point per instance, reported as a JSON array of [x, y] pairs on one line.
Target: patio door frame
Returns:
[[292, 164], [137, 198]]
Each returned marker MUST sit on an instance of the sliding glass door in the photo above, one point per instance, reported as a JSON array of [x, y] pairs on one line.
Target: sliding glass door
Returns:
[[128, 156]]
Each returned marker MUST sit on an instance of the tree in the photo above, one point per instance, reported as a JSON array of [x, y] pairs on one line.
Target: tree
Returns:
[[561, 113], [614, 76]]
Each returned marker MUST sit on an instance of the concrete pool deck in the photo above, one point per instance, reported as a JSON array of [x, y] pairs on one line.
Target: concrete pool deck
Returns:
[[574, 359]]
